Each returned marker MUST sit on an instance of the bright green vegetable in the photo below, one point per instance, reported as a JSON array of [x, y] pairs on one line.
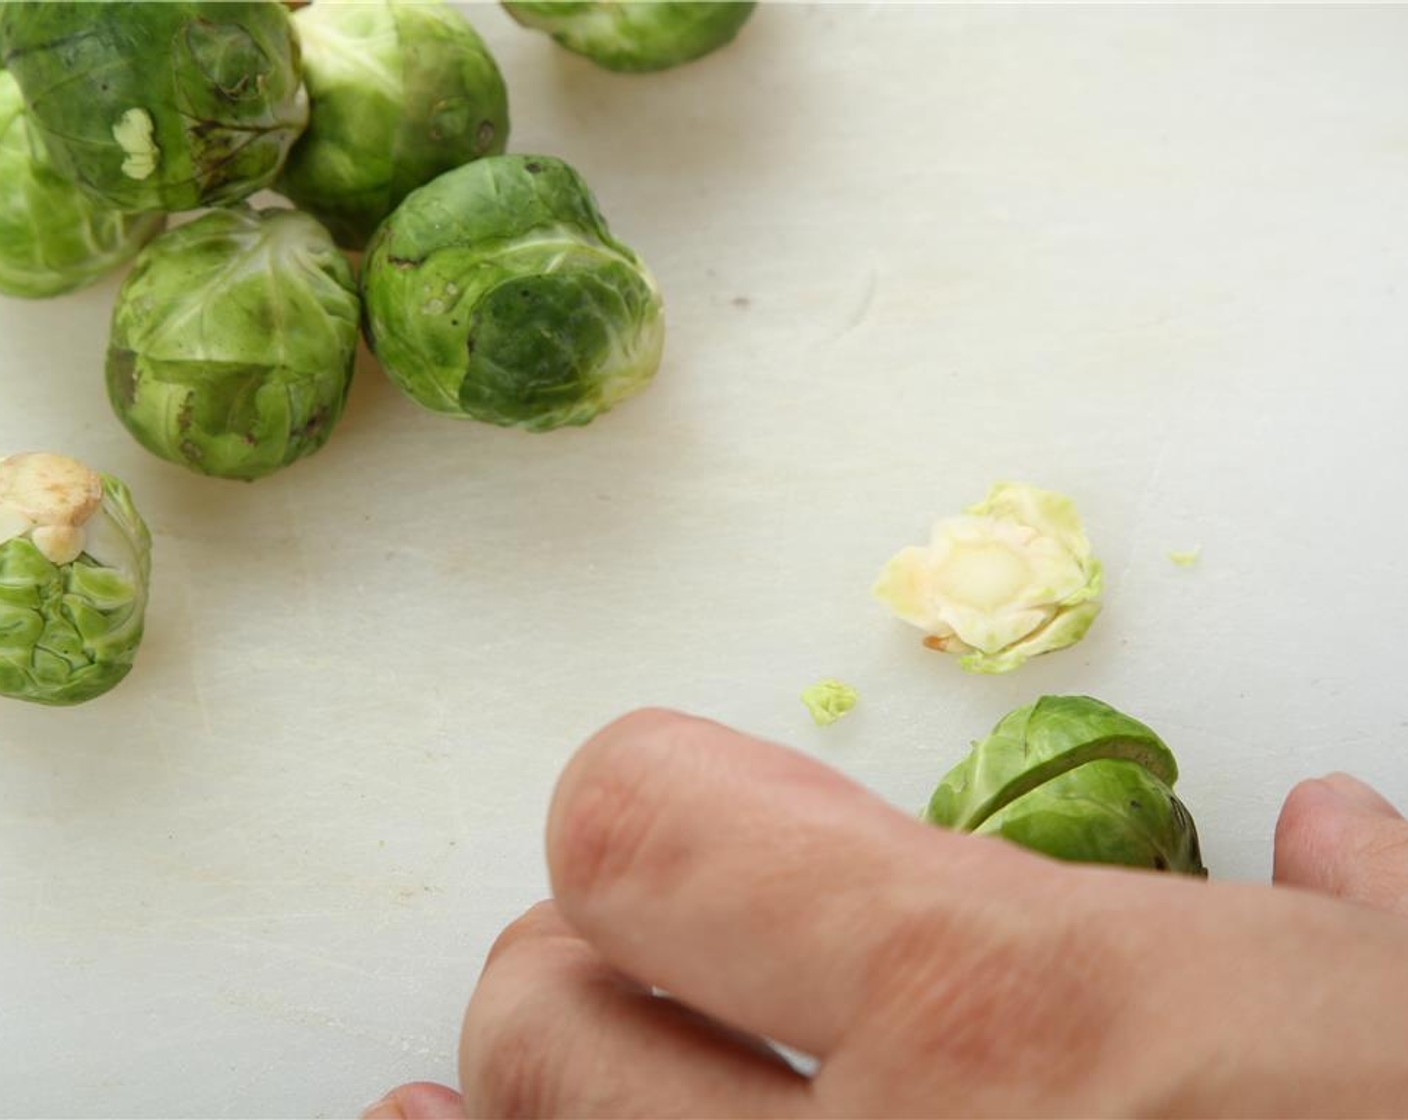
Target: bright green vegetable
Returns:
[[75, 560], [1012, 578], [497, 292], [401, 91], [1073, 778], [53, 237], [233, 341], [829, 700], [159, 106], [634, 36]]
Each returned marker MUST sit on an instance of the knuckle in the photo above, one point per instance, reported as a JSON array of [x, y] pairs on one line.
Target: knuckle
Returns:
[[515, 1028], [1342, 853], [537, 924], [504, 1070], [1000, 997], [1378, 871], [1387, 840], [603, 835], [1299, 811], [525, 1046], [610, 805], [1307, 835], [640, 724]]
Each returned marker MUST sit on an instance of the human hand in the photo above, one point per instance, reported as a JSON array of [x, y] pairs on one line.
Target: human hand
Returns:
[[928, 972]]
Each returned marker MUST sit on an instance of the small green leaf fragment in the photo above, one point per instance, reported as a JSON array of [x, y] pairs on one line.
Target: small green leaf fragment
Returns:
[[829, 700], [1186, 558]]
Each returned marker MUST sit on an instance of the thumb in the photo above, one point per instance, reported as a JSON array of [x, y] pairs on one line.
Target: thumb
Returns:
[[1339, 836], [420, 1100]]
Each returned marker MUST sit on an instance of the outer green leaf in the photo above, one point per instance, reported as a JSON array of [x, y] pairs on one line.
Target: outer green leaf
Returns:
[[53, 237], [233, 342], [1072, 777], [497, 292], [1104, 812], [159, 106], [401, 91], [635, 36]]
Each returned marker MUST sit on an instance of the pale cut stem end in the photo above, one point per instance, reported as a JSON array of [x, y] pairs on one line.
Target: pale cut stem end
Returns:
[[51, 497]]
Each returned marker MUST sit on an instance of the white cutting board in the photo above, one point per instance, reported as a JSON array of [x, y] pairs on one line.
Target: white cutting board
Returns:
[[1156, 258]]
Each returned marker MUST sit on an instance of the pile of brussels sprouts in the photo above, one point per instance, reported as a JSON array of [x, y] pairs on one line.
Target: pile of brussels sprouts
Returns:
[[490, 286]]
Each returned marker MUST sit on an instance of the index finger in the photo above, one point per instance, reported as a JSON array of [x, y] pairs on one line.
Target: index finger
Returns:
[[756, 884]]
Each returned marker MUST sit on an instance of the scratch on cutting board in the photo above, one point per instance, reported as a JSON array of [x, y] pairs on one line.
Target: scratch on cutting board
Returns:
[[302, 1015], [1326, 732], [1141, 501], [459, 808], [370, 778], [52, 921], [307, 585], [202, 705], [862, 308], [289, 949], [1214, 734], [460, 814]]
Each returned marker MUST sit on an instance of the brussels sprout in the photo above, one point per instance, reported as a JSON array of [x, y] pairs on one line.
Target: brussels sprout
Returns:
[[634, 36], [497, 292], [75, 559], [233, 340], [1075, 779], [53, 237], [401, 91], [1011, 579], [829, 700], [159, 106]]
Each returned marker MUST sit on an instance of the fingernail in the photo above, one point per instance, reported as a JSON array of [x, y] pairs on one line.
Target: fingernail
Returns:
[[1354, 792], [384, 1109]]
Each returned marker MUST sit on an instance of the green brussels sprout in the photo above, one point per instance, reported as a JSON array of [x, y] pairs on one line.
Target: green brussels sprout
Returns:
[[1012, 578], [53, 237], [233, 340], [1075, 779], [634, 35], [401, 91], [75, 561], [497, 292], [159, 106]]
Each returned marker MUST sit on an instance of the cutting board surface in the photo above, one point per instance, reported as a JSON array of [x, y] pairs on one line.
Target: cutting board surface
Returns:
[[1153, 257]]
